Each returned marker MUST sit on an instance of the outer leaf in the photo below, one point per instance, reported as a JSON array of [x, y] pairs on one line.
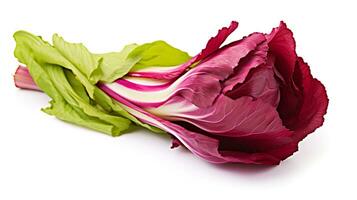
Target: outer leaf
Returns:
[[260, 84], [170, 73], [206, 147], [158, 53], [59, 79], [103, 102], [70, 102], [68, 113], [77, 86], [44, 53], [234, 118], [80, 57], [202, 84], [115, 65], [254, 59]]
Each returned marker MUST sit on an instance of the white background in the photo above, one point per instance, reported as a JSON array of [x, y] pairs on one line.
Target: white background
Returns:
[[44, 158]]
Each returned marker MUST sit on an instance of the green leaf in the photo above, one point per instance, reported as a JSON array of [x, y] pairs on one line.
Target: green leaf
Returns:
[[74, 115], [44, 53], [115, 65], [68, 72], [80, 57], [57, 75], [158, 54], [77, 86], [70, 102]]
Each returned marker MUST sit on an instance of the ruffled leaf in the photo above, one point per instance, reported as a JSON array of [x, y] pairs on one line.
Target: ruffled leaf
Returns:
[[170, 73]]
